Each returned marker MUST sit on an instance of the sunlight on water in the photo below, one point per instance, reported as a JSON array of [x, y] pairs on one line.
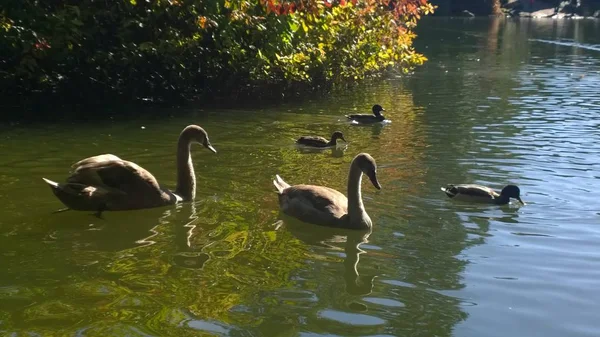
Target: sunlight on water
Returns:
[[499, 102]]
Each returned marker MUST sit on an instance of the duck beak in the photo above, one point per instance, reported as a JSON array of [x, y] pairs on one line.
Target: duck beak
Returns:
[[373, 177], [521, 201], [210, 147]]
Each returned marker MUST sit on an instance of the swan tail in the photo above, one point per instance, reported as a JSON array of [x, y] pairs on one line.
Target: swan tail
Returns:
[[77, 196], [52, 184], [280, 184]]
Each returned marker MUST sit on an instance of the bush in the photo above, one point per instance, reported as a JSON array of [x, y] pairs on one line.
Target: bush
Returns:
[[91, 50]]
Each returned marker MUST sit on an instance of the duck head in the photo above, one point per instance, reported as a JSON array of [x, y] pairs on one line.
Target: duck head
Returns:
[[367, 165], [377, 109], [512, 191], [337, 135]]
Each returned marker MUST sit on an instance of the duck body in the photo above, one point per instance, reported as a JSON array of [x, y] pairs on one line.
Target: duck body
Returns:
[[316, 141], [482, 194], [325, 206], [109, 183], [376, 117]]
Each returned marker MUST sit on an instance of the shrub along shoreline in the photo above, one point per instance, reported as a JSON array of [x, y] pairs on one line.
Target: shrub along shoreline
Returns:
[[97, 53]]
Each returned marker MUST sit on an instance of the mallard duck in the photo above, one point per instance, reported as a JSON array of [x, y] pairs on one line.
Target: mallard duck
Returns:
[[327, 207], [479, 193], [366, 119], [109, 183], [317, 141]]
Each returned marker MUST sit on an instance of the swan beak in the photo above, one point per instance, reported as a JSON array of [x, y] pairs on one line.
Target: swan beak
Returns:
[[521, 201], [344, 139], [373, 177], [210, 147]]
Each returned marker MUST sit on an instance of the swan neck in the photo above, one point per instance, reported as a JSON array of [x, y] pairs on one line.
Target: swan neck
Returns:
[[186, 180], [356, 209]]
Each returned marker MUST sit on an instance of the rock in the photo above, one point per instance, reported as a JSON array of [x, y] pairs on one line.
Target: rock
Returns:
[[596, 14], [466, 13]]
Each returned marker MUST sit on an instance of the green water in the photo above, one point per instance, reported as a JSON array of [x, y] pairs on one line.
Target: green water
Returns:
[[498, 102]]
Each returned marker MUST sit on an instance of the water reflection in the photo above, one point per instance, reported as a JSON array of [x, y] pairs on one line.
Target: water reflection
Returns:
[[187, 255], [336, 151], [114, 232], [330, 237], [497, 102]]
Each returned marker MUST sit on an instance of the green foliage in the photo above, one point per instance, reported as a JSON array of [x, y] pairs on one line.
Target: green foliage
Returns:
[[192, 48]]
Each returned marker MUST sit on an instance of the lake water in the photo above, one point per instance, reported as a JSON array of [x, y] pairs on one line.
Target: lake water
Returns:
[[498, 102]]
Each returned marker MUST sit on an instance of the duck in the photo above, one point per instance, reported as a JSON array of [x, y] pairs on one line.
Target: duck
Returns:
[[367, 119], [316, 141], [479, 193], [325, 206], [108, 183]]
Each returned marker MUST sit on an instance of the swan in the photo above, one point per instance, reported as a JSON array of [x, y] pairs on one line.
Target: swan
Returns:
[[109, 183], [327, 207]]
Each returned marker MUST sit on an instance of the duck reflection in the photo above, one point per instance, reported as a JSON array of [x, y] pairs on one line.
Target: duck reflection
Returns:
[[331, 238], [336, 151]]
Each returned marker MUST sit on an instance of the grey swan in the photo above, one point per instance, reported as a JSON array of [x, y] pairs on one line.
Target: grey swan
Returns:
[[109, 183], [327, 207]]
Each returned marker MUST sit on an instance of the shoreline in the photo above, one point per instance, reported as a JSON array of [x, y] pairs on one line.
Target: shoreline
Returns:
[[518, 9]]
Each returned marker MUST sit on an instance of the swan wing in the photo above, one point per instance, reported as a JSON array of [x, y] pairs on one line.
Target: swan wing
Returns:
[[116, 174], [314, 204], [95, 159]]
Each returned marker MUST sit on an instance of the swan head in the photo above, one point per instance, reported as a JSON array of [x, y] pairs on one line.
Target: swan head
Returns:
[[512, 191], [368, 166], [337, 135], [377, 109], [197, 134]]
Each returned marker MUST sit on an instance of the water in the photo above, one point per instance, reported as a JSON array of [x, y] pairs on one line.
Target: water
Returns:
[[498, 102]]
